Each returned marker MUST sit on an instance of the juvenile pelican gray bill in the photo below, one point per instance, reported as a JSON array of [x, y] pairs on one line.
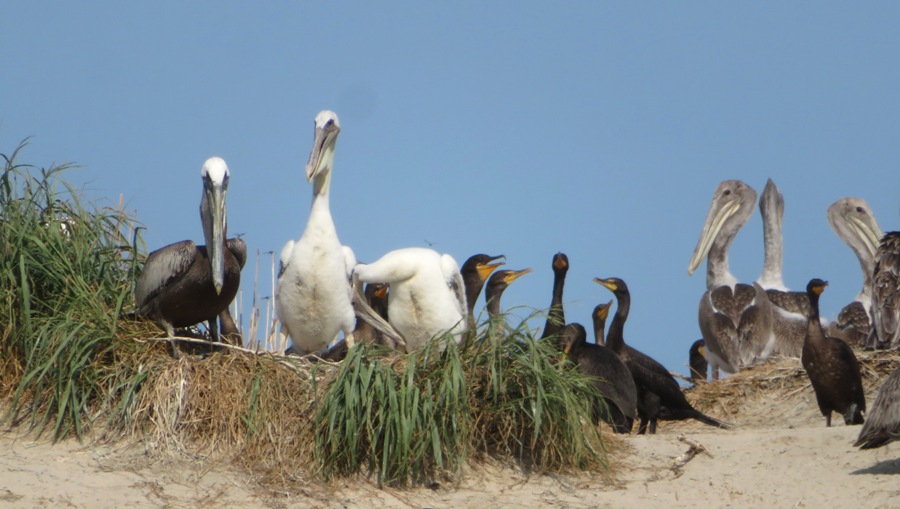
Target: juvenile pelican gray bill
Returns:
[[313, 298], [183, 284], [789, 309], [853, 221], [735, 319]]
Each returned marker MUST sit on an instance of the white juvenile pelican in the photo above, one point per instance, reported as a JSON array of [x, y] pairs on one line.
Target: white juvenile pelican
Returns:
[[313, 298], [426, 298], [183, 284], [735, 319]]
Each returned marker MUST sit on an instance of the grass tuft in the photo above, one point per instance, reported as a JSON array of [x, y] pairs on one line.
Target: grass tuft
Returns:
[[73, 362]]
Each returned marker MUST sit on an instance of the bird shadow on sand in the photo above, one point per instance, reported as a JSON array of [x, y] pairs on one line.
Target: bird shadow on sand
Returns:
[[886, 467]]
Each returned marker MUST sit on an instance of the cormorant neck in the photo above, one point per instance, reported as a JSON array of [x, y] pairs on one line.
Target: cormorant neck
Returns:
[[616, 338], [599, 324]]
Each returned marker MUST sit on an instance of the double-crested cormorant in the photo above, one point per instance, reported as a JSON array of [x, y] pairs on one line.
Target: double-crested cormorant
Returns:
[[376, 297], [601, 311], [831, 366], [789, 309], [853, 222], [886, 293], [497, 283], [883, 423], [475, 272], [183, 284], [735, 319], [610, 375], [556, 316], [426, 298], [659, 395], [697, 360], [313, 298]]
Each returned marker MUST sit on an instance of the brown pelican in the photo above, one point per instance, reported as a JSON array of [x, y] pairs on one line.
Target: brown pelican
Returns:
[[426, 298], [313, 298], [735, 319], [556, 317], [183, 284], [658, 394], [475, 271], [609, 374], [789, 309], [853, 222], [831, 366], [886, 293], [697, 360], [883, 424], [496, 285]]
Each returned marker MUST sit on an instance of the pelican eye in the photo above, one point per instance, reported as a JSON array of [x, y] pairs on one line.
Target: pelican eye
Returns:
[[859, 209], [727, 192]]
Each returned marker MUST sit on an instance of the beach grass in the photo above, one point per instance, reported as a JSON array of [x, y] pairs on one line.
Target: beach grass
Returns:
[[75, 362]]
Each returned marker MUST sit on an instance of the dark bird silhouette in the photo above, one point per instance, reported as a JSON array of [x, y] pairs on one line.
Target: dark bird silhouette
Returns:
[[697, 359], [601, 312], [883, 424], [659, 396], [497, 284], [609, 374], [475, 272], [556, 317], [831, 366]]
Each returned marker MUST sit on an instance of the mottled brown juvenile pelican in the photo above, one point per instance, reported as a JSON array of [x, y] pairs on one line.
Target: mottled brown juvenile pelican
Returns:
[[853, 222], [789, 309], [183, 284], [886, 293], [883, 424], [735, 319], [313, 298]]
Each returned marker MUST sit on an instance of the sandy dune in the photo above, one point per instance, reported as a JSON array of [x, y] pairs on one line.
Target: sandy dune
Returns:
[[804, 466]]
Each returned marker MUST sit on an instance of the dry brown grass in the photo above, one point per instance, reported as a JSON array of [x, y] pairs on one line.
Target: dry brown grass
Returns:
[[779, 390]]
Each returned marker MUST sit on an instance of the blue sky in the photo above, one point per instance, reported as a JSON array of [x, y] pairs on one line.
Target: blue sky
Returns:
[[597, 129]]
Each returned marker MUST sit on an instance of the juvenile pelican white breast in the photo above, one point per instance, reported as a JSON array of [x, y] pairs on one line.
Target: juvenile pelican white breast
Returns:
[[313, 298], [735, 319], [427, 295], [853, 221], [183, 284], [789, 309]]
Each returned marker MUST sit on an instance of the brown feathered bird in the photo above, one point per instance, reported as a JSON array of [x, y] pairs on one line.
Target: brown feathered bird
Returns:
[[831, 366]]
